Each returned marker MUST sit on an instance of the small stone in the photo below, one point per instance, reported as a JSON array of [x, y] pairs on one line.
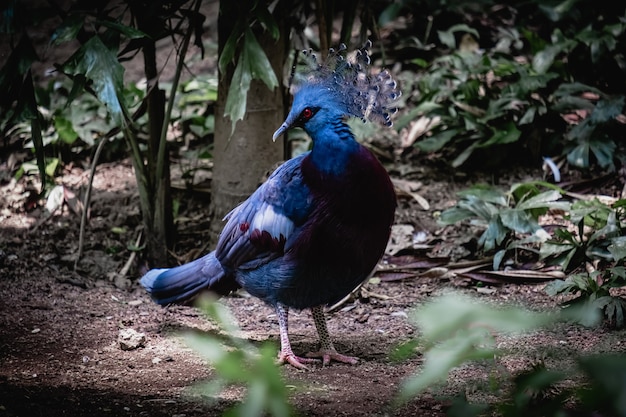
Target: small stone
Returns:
[[130, 339], [135, 303], [156, 361]]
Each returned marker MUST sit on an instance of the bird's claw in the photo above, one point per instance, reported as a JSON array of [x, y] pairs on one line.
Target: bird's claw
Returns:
[[295, 361], [328, 355]]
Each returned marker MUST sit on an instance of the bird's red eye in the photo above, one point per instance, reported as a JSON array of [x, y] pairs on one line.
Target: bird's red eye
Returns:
[[307, 113]]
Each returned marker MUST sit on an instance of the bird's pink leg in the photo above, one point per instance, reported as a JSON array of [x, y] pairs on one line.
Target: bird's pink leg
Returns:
[[327, 351], [286, 354]]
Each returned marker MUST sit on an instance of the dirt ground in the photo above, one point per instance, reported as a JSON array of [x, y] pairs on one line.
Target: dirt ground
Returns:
[[59, 329]]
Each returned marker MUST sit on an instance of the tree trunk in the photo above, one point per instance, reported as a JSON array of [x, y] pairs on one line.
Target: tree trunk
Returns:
[[241, 160]]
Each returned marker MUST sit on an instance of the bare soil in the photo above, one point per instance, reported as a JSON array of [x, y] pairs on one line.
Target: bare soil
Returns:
[[59, 328]]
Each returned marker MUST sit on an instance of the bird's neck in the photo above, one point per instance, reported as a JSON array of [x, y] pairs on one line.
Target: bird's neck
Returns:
[[333, 145]]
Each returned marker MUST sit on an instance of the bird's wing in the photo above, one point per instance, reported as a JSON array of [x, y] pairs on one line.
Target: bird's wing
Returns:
[[258, 229]]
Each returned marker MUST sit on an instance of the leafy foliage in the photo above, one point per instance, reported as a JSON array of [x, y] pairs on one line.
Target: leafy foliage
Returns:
[[593, 290], [598, 236], [491, 85], [237, 361], [457, 329], [504, 215], [251, 63]]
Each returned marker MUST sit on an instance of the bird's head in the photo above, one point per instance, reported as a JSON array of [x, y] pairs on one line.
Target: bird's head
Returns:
[[342, 86], [313, 106]]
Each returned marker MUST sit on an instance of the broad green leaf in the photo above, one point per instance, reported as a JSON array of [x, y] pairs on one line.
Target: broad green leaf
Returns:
[[389, 14], [543, 60], [260, 66], [454, 215], [529, 116], [579, 155], [546, 199], [497, 259], [608, 109], [65, 130], [267, 20], [128, 31], [485, 193], [551, 249], [228, 53], [556, 287], [604, 151], [51, 167], [457, 329], [555, 11], [100, 65], [569, 103], [493, 237], [462, 157], [447, 37], [509, 133], [252, 64], [576, 88], [235, 107], [617, 248], [436, 141], [607, 373], [519, 221], [68, 29]]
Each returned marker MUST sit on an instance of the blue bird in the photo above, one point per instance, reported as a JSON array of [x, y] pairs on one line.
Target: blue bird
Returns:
[[317, 227]]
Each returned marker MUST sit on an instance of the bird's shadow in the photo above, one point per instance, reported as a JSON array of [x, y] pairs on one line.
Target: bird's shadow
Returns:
[[371, 348]]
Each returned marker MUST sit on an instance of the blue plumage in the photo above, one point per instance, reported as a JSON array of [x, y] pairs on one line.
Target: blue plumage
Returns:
[[317, 227]]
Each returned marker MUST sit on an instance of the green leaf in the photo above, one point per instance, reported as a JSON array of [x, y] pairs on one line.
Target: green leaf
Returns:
[[267, 20], [552, 249], [97, 63], [128, 31], [68, 29], [543, 60], [65, 130], [485, 193], [447, 37], [607, 373], [390, 13], [495, 234], [252, 64], [518, 221], [557, 11], [604, 151], [228, 53], [436, 141], [617, 248], [509, 133], [454, 215], [462, 157], [235, 106], [546, 199], [579, 155], [457, 329], [260, 66], [51, 167]]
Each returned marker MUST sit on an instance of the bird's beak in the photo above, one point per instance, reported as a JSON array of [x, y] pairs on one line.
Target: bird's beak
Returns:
[[280, 131]]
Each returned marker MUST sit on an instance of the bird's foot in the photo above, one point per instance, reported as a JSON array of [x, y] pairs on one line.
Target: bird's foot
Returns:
[[331, 354], [295, 361]]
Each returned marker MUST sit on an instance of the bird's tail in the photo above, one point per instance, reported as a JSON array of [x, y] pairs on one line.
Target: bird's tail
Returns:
[[180, 284]]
